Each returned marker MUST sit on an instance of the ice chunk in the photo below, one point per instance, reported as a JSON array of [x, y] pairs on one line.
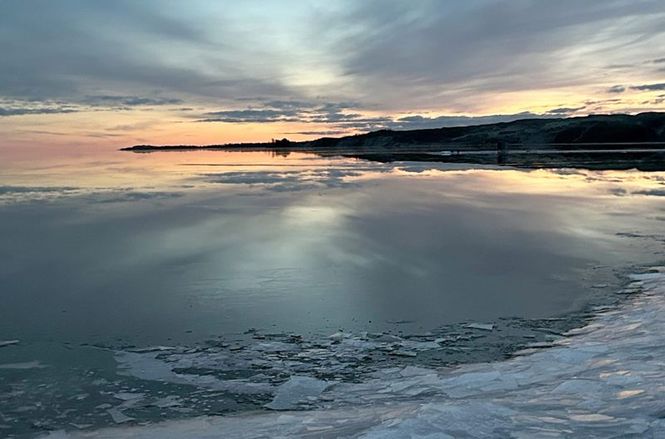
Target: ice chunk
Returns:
[[8, 343], [578, 387], [167, 402], [118, 416], [404, 353], [593, 417], [337, 337], [128, 396], [629, 393], [295, 390], [646, 276], [481, 326], [412, 371], [388, 338], [80, 426]]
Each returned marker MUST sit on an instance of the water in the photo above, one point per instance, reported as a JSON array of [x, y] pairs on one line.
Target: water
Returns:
[[241, 265], [602, 380]]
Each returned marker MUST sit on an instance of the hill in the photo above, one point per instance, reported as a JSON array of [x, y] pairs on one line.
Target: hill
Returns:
[[593, 142], [564, 133]]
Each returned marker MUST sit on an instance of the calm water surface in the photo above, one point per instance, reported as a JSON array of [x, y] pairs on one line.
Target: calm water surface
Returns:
[[108, 251]]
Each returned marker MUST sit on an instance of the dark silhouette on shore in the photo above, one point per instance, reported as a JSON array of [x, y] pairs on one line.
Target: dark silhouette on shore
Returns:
[[617, 141]]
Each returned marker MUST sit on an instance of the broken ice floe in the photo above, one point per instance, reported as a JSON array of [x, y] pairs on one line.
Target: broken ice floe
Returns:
[[296, 390], [259, 364], [118, 416], [603, 380], [129, 400]]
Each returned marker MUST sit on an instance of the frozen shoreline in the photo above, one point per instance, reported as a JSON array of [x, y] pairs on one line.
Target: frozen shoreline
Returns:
[[602, 380]]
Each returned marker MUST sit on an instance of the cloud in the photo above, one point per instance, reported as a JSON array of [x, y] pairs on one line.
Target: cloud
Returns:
[[129, 101], [652, 192], [339, 115], [385, 52], [73, 48], [616, 89], [649, 87], [16, 107], [343, 118], [422, 122], [599, 105], [437, 55], [564, 111], [252, 116], [334, 113], [657, 101], [320, 133], [343, 65], [13, 111]]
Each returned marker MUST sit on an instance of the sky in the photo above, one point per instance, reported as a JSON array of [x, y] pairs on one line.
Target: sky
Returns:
[[124, 72]]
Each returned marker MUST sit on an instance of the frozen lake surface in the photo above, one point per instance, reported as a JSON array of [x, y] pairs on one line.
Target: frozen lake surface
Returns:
[[296, 295]]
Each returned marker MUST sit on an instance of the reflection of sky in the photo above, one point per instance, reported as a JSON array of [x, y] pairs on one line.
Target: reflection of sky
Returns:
[[62, 171], [34, 173], [215, 242]]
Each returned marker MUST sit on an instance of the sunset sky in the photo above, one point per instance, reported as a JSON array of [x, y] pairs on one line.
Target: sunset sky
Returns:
[[117, 73]]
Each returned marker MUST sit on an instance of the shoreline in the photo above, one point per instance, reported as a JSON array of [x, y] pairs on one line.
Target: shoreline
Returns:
[[643, 159], [578, 386]]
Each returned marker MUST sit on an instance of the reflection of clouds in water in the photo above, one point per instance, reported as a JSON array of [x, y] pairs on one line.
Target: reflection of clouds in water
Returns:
[[567, 171], [424, 167], [476, 178], [18, 194], [564, 182], [292, 180], [288, 178], [33, 189], [137, 196], [44, 194]]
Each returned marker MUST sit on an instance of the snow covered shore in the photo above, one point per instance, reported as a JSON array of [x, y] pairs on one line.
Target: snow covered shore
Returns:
[[604, 380]]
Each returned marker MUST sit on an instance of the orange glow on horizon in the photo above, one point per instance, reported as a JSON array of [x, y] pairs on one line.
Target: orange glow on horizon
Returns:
[[169, 126]]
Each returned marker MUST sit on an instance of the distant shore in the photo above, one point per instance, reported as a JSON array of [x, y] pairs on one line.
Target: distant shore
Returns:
[[593, 142]]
